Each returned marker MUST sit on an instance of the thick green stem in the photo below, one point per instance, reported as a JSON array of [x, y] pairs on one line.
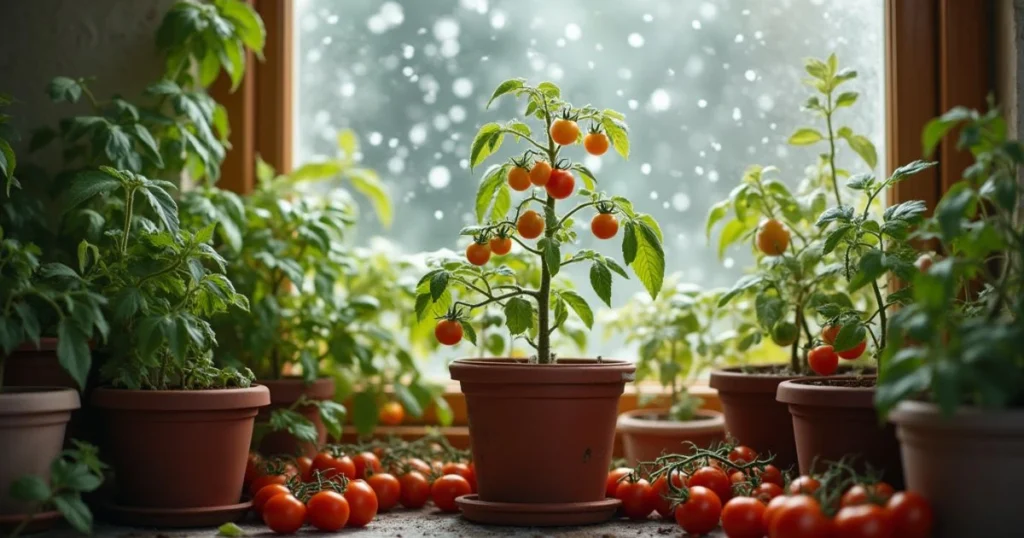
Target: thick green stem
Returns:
[[544, 293], [832, 151], [794, 360], [128, 204]]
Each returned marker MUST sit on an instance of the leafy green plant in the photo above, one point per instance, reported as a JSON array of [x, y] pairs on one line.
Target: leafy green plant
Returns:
[[960, 340], [536, 313], [8, 160], [680, 336], [74, 472], [161, 287]]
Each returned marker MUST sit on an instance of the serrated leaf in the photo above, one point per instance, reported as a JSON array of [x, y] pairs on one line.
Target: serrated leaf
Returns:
[[438, 284], [909, 211], [846, 99], [629, 242], [770, 310], [73, 351], [589, 180], [85, 185], [649, 262], [64, 89], [863, 147], [469, 331], [518, 315], [835, 236], [368, 183], [849, 337], [860, 182], [580, 306], [505, 87], [551, 250], [910, 169], [743, 284], [842, 213], [805, 136], [483, 145], [164, 206], [601, 281], [75, 512], [488, 190], [617, 134]]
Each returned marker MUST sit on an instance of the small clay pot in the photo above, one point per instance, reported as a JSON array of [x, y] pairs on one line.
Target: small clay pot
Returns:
[[284, 393], [970, 466], [752, 415], [648, 433], [32, 424], [835, 417], [541, 433], [177, 449]]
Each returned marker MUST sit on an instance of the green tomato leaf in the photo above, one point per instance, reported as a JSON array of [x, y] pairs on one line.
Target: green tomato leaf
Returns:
[[368, 183], [715, 214], [505, 87], [518, 315], [164, 207], [551, 249], [230, 530], [75, 512], [87, 184], [849, 337], [493, 179], [408, 400], [863, 147], [649, 262], [805, 136], [601, 281], [469, 331], [30, 489], [364, 413], [73, 351], [629, 242], [770, 310], [580, 306], [64, 89], [438, 284], [483, 145], [617, 132]]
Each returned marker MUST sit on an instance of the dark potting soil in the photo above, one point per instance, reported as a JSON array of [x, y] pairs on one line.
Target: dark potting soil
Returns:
[[860, 382]]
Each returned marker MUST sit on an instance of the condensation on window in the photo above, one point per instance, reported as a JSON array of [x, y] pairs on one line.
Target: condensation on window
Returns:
[[708, 88]]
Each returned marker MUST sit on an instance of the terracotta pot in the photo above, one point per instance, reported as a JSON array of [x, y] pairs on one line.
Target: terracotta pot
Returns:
[[937, 455], [32, 423], [835, 417], [541, 433], [752, 415], [284, 393], [647, 433], [179, 448]]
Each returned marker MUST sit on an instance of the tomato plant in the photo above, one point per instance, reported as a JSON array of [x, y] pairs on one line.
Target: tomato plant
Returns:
[[596, 143], [535, 313], [446, 489]]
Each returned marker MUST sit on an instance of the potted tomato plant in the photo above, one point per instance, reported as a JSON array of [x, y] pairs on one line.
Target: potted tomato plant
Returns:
[[58, 492], [679, 339], [952, 378], [542, 428]]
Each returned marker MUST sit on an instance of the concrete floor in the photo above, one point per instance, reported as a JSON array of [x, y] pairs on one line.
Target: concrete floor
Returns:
[[411, 523]]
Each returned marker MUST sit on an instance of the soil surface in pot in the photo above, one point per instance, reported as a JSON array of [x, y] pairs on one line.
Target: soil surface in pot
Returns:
[[859, 383]]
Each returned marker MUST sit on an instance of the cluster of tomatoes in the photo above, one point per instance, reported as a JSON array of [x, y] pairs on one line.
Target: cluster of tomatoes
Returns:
[[347, 487], [751, 498]]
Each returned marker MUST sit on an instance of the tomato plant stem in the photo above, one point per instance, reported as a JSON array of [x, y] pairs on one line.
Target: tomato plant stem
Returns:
[[832, 151]]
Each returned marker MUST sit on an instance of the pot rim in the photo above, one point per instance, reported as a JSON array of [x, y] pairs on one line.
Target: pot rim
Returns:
[[630, 422], [799, 391], [31, 400], [181, 400], [924, 414], [290, 389], [566, 371], [734, 379]]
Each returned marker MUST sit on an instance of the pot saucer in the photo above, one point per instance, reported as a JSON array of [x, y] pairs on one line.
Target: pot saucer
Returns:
[[210, 516], [536, 515], [40, 521]]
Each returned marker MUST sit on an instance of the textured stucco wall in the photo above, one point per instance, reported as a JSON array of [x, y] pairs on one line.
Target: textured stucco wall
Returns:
[[112, 40]]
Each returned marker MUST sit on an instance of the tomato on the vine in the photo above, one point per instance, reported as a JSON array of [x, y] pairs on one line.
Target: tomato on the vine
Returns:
[[804, 484], [448, 332], [877, 493], [327, 511], [700, 513], [741, 455], [714, 479], [772, 509], [478, 253], [784, 333], [366, 461], [501, 245], [263, 481], [743, 517], [829, 333], [530, 224], [387, 488], [330, 466], [637, 498], [391, 414], [614, 477], [823, 360], [596, 143], [772, 238], [284, 514], [266, 493], [362, 501], [415, 489], [416, 464], [564, 131], [910, 514], [561, 184], [305, 466], [463, 470], [766, 491], [518, 178], [540, 173], [446, 489], [773, 475], [660, 491], [252, 467], [854, 352], [863, 521], [604, 225], [800, 517]]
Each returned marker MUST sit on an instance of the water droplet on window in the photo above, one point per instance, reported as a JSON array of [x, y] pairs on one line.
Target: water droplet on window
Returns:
[[708, 10], [418, 134], [375, 138], [750, 75], [560, 42], [446, 28], [313, 56], [439, 177], [457, 114], [736, 114], [392, 13], [450, 48], [407, 71], [625, 74], [645, 169], [633, 104], [654, 195], [332, 19], [573, 31], [758, 34], [377, 24], [348, 89], [728, 263], [396, 165], [765, 102], [695, 24], [739, 38], [648, 17], [441, 122], [713, 176], [438, 214], [393, 143], [699, 170], [680, 201], [701, 103], [497, 20], [408, 51], [635, 40], [593, 163], [660, 100], [462, 87], [694, 66], [327, 40]]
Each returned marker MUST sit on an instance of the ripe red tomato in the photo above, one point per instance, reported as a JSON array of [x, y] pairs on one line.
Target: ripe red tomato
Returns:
[[823, 360], [741, 455], [501, 245], [800, 517], [448, 332], [330, 467], [700, 513], [415, 490], [540, 173], [284, 514], [829, 333], [773, 475], [637, 498], [328, 511], [463, 470], [530, 224], [660, 489], [737, 477], [266, 493], [263, 481], [713, 479], [518, 178], [305, 465], [804, 484], [863, 521], [252, 467], [604, 225], [743, 517], [446, 489], [391, 414], [855, 352], [910, 514], [766, 491], [561, 184], [878, 493], [415, 464], [564, 131], [596, 144], [362, 501], [478, 253], [387, 488], [366, 461], [614, 477], [773, 509]]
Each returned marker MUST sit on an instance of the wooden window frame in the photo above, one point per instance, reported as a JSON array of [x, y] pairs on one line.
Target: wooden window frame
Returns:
[[939, 54]]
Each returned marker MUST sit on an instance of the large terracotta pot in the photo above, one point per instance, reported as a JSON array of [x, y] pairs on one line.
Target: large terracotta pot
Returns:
[[32, 423], [835, 417], [283, 394], [542, 433], [970, 466], [647, 433], [179, 449], [752, 415]]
